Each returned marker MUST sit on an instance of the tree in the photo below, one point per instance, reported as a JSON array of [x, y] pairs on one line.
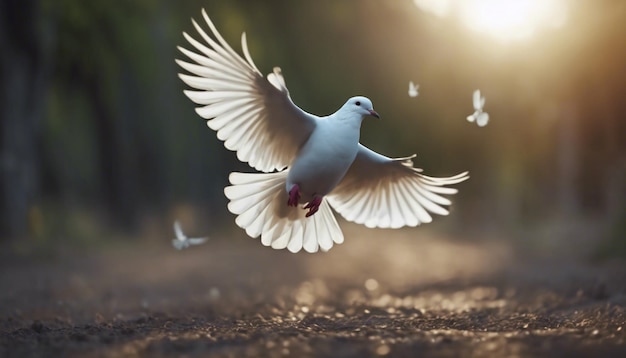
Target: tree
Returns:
[[22, 87]]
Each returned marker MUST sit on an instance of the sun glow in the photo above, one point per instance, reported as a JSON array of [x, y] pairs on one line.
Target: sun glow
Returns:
[[504, 20]]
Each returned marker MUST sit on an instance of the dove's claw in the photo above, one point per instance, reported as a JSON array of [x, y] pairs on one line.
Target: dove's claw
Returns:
[[294, 195], [313, 205]]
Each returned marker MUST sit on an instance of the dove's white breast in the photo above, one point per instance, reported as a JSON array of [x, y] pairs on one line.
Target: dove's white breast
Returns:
[[326, 157]]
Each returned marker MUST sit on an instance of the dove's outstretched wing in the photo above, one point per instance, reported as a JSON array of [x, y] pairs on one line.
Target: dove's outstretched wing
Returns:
[[197, 240], [478, 101], [178, 231], [378, 191], [253, 115]]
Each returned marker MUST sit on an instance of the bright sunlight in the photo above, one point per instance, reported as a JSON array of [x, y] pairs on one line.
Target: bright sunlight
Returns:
[[503, 20]]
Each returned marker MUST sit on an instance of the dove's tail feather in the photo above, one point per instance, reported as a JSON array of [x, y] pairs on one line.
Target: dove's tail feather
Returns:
[[260, 202]]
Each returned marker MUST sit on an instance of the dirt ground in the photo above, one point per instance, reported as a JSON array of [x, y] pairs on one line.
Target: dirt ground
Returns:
[[381, 293]]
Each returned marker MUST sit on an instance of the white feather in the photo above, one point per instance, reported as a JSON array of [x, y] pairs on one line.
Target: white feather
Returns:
[[259, 201]]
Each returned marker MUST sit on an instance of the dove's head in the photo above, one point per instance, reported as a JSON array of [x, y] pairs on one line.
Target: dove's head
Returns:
[[360, 105]]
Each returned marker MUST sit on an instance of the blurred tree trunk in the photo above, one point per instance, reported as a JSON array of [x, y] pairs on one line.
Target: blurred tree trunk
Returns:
[[22, 88], [615, 187], [117, 195], [568, 159]]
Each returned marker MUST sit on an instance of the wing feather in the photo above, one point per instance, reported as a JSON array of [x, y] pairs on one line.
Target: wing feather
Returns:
[[396, 215], [415, 199], [390, 193], [213, 57], [259, 201], [406, 214], [309, 239], [476, 100], [253, 115], [422, 215], [280, 242], [178, 231]]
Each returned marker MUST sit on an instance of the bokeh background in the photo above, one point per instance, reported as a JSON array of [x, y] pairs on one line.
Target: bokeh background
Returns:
[[99, 144]]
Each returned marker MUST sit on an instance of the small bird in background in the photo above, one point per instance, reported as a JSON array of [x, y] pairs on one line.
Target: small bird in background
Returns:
[[307, 161], [182, 241], [413, 89], [481, 118]]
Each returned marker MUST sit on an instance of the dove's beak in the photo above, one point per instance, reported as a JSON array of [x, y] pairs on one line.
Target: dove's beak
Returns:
[[373, 113]]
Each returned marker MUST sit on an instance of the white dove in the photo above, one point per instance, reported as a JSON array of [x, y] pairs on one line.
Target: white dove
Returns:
[[481, 118], [413, 89], [182, 241], [326, 164]]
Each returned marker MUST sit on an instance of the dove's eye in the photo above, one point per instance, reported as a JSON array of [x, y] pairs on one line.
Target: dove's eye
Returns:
[[358, 103]]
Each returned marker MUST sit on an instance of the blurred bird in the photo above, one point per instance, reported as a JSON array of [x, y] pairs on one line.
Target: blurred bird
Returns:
[[327, 166], [182, 241], [413, 89], [481, 118]]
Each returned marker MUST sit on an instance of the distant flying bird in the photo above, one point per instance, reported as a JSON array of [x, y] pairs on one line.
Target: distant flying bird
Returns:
[[182, 241], [481, 118], [326, 165], [413, 89]]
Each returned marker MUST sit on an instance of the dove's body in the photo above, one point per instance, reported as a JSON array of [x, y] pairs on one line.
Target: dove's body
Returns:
[[304, 158], [335, 136]]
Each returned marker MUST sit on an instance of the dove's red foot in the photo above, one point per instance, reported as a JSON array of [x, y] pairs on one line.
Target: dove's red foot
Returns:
[[313, 205], [294, 196]]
